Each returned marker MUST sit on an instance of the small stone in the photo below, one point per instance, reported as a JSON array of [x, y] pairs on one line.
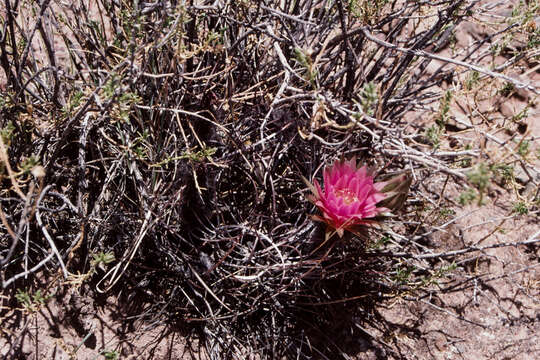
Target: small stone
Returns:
[[458, 123], [521, 176], [529, 190], [38, 171], [511, 108], [506, 110], [469, 32]]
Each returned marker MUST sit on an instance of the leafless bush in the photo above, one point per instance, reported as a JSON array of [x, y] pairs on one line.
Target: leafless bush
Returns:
[[173, 137]]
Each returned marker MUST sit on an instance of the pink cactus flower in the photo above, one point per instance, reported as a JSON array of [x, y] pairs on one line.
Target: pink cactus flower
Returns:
[[349, 198]]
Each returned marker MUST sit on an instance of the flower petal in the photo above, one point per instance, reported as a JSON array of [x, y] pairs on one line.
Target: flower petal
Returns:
[[349, 197]]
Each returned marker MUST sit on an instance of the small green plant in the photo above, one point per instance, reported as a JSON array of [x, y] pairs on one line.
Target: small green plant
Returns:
[[380, 242], [480, 177], [6, 100], [504, 173], [495, 50], [132, 24], [433, 134], [140, 145], [201, 154], [28, 164], [23, 298], [304, 59], [443, 271], [467, 197], [122, 108], [31, 302], [368, 98], [465, 162], [198, 156], [507, 89], [533, 40], [213, 38], [110, 87], [524, 148], [403, 274], [101, 259], [444, 110], [472, 80], [367, 11], [76, 99], [445, 213], [521, 115], [521, 208], [74, 102], [7, 133], [524, 14], [111, 355]]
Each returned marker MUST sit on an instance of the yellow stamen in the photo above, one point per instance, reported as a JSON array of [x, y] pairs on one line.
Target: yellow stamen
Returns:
[[347, 195]]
